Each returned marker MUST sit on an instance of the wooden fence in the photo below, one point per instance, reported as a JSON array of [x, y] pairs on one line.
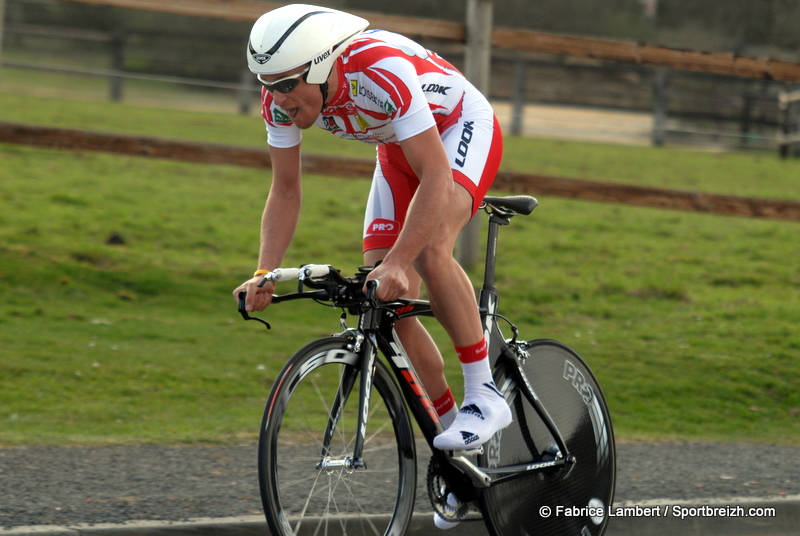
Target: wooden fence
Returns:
[[502, 38]]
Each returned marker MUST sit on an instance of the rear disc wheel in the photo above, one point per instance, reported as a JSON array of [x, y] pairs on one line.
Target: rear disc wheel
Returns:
[[528, 504]]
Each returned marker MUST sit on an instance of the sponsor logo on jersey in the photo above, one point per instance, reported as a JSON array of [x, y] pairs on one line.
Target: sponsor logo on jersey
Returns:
[[363, 125], [348, 107], [435, 88], [330, 123], [357, 90], [280, 117]]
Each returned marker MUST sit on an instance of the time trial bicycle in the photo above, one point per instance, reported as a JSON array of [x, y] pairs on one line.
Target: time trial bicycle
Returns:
[[337, 453]]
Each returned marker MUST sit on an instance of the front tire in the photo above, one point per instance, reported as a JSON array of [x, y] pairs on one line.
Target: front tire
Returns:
[[307, 491]]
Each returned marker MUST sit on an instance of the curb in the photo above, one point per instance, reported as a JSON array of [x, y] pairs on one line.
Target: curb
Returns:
[[778, 516]]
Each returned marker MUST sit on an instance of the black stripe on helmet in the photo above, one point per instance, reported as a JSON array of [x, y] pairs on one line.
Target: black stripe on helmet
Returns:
[[285, 36]]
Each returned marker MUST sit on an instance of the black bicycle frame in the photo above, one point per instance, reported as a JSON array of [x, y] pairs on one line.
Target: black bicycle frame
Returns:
[[377, 326]]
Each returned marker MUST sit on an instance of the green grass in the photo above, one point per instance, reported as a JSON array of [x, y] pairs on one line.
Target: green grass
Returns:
[[689, 320]]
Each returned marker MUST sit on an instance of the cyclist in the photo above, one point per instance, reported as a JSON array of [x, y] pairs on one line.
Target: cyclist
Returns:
[[439, 146]]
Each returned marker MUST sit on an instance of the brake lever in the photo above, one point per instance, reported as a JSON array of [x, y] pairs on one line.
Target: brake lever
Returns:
[[371, 295], [243, 310]]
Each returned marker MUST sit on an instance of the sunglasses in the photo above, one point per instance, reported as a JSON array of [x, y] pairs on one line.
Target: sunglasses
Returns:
[[284, 85]]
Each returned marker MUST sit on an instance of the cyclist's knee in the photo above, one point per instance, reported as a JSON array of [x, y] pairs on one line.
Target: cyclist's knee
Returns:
[[433, 259]]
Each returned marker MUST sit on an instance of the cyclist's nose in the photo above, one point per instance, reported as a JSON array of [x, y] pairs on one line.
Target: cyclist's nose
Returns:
[[280, 98]]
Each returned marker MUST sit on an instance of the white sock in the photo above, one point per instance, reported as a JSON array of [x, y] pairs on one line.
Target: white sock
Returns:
[[477, 376], [483, 413], [448, 418]]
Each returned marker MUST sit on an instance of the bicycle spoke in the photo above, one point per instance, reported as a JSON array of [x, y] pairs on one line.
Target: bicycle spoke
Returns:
[[316, 492]]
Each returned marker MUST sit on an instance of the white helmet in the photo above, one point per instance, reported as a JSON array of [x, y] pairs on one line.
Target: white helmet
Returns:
[[300, 34]]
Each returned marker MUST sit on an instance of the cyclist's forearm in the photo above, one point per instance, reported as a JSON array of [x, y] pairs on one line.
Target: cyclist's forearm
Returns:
[[282, 210], [278, 224]]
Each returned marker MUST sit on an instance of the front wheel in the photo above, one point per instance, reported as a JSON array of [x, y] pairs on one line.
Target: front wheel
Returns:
[[310, 488], [573, 500]]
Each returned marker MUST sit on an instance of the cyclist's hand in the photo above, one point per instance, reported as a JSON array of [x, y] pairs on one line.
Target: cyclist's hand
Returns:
[[257, 299], [394, 282]]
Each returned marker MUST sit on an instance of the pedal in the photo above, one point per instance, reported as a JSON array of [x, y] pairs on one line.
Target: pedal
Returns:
[[465, 452]]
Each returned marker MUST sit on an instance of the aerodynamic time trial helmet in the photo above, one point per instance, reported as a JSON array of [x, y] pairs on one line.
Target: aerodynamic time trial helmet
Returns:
[[300, 34]]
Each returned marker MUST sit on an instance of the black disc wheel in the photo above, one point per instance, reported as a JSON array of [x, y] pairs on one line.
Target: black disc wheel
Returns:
[[573, 499]]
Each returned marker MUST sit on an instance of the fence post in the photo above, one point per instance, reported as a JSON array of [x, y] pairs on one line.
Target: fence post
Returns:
[[789, 134], [117, 64], [659, 107], [795, 128], [518, 97], [2, 26], [477, 63], [795, 124], [246, 81], [747, 113], [785, 130]]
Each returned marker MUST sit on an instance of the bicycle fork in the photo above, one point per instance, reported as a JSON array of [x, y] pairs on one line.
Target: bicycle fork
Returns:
[[365, 346], [364, 373]]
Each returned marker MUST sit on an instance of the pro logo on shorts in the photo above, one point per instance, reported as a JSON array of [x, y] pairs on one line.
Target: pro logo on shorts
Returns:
[[383, 227]]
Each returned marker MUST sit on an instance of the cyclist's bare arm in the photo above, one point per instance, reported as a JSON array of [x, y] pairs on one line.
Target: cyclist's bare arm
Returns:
[[278, 223]]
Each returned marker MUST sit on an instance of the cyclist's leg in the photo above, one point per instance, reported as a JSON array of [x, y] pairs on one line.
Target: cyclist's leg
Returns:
[[417, 342], [452, 298], [474, 166], [449, 289], [474, 169]]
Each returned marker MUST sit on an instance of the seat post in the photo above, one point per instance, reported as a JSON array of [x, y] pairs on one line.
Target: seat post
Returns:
[[495, 221]]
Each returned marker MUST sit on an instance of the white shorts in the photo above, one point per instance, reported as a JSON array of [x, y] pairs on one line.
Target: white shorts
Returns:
[[474, 145]]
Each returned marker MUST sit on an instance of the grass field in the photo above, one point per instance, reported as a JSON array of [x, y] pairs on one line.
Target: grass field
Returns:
[[689, 320]]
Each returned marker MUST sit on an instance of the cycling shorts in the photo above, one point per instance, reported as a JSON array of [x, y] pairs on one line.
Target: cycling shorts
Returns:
[[474, 146]]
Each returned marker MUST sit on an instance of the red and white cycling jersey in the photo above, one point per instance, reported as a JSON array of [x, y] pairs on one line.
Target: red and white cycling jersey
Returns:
[[391, 89]]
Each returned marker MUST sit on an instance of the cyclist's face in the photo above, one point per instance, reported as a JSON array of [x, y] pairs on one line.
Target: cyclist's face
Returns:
[[300, 100]]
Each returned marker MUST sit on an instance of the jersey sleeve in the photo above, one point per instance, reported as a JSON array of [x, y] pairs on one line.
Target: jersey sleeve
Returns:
[[282, 133]]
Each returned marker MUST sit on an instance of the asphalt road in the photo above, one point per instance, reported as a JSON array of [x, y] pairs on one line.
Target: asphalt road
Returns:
[[75, 485]]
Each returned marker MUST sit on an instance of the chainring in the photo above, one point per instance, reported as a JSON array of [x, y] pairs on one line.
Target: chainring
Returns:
[[437, 493]]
